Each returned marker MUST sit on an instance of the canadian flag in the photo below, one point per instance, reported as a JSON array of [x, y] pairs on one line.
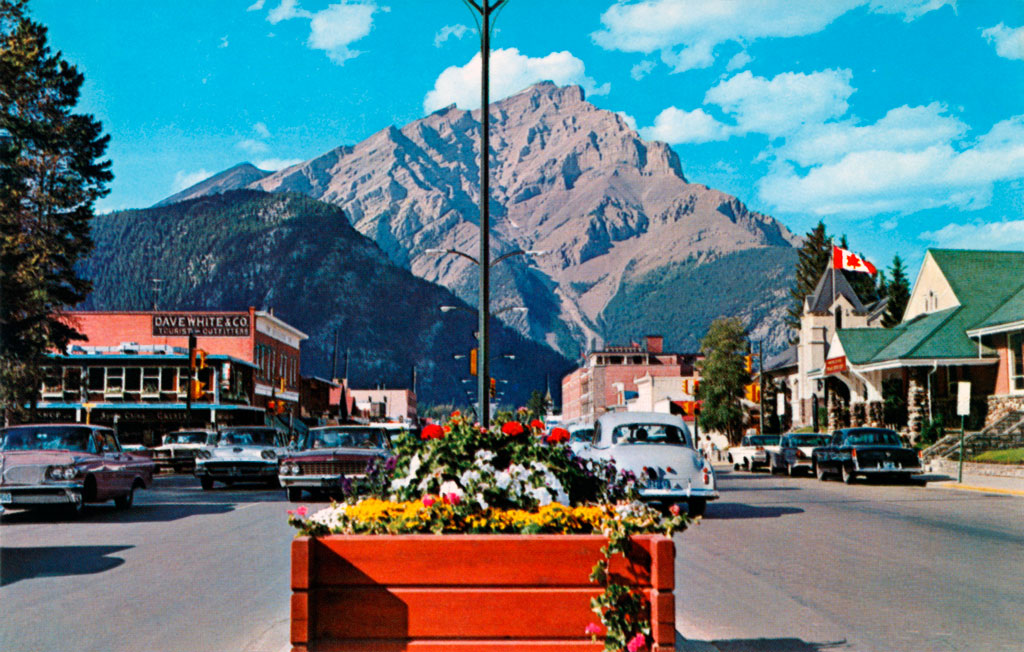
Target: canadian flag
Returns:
[[849, 261]]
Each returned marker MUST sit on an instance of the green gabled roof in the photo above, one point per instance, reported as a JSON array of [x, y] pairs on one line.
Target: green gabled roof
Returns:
[[987, 284], [1011, 311]]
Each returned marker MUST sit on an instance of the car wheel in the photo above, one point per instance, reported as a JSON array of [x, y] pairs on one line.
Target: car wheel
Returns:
[[696, 507], [848, 475], [820, 472], [790, 470], [747, 466], [125, 501], [294, 494], [207, 483], [75, 509]]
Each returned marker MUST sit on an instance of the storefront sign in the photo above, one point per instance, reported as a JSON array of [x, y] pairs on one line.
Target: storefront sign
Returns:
[[232, 324], [835, 365]]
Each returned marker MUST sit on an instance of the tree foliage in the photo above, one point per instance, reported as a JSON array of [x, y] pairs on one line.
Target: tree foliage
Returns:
[[723, 375], [812, 260], [898, 291], [51, 173], [537, 406]]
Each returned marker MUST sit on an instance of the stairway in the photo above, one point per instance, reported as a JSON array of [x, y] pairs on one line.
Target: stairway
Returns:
[[1007, 432]]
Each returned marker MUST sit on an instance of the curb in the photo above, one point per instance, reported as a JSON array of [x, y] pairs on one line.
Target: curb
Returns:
[[990, 490]]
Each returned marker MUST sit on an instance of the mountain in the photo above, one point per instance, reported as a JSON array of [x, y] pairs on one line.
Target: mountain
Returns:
[[302, 258], [614, 211], [233, 178]]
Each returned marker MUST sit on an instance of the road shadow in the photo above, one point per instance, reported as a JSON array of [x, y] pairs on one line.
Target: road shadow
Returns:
[[752, 488], [56, 561], [108, 513], [758, 645], [720, 510]]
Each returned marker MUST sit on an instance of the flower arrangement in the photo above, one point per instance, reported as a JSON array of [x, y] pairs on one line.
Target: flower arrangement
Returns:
[[514, 478]]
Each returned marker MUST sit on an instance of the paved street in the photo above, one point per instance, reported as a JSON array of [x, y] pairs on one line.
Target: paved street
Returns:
[[779, 564], [798, 565]]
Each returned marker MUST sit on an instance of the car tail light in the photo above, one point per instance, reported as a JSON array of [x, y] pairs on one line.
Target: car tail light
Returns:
[[799, 454], [759, 448], [707, 476], [670, 470], [853, 453]]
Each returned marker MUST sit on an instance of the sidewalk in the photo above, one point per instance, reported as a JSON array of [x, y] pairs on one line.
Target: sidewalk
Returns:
[[943, 475]]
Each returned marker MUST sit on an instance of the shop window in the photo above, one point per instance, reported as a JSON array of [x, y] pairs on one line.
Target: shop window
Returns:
[[133, 379], [115, 382], [151, 382], [169, 380], [1017, 362], [52, 383], [182, 381], [72, 380], [96, 379]]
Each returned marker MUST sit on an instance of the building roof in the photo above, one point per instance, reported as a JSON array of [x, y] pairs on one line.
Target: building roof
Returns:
[[824, 294], [784, 360], [989, 285]]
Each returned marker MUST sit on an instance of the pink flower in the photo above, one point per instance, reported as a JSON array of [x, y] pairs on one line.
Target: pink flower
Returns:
[[428, 501], [291, 512], [674, 509], [513, 429], [557, 435], [594, 629], [638, 642], [432, 431], [301, 511], [452, 498]]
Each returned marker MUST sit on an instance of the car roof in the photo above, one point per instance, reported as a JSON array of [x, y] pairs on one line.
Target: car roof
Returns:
[[613, 419]]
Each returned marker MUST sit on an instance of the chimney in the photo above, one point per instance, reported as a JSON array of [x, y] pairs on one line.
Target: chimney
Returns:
[[655, 343]]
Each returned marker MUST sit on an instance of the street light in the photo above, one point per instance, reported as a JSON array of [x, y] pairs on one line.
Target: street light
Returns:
[[434, 251], [493, 314]]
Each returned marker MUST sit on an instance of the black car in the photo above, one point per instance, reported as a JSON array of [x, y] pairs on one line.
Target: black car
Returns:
[[869, 452]]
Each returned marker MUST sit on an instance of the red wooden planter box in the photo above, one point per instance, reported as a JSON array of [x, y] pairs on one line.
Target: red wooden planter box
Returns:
[[428, 593]]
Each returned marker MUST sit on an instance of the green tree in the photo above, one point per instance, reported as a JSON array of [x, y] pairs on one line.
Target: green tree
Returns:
[[723, 375], [538, 405], [813, 259], [51, 173], [898, 291]]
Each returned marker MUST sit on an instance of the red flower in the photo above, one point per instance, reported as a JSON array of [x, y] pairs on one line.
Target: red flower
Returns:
[[452, 498], [557, 435], [537, 424], [674, 509], [513, 429], [638, 643], [456, 413], [428, 501], [594, 629], [446, 429], [432, 431]]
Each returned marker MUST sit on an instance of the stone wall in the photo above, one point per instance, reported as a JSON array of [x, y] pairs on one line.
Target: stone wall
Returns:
[[917, 406], [1000, 470], [1000, 406]]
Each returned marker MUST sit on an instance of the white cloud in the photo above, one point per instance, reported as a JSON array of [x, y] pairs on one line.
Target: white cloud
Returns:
[[1009, 41], [261, 129], [256, 6], [1007, 235], [739, 60], [641, 70], [223, 42], [183, 179], [275, 164], [676, 126], [903, 177], [628, 119], [340, 25], [287, 10], [783, 104], [511, 72], [448, 31], [252, 146], [686, 32]]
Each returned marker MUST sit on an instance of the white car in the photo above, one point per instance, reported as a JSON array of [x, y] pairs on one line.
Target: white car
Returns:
[[241, 454], [753, 452], [658, 449], [179, 449], [796, 453], [580, 435]]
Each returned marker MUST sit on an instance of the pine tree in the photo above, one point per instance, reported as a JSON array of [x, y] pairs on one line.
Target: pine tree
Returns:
[[812, 260], [50, 176], [898, 293], [723, 375]]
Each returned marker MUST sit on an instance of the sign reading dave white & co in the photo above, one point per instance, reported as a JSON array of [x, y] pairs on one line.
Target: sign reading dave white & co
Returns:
[[218, 324]]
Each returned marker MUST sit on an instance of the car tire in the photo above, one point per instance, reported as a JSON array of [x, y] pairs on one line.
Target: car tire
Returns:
[[790, 470], [820, 472], [125, 501], [849, 477], [747, 466], [74, 510], [294, 494], [696, 507], [206, 483]]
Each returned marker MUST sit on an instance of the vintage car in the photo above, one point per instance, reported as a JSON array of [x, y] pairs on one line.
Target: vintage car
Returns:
[[179, 449], [331, 455], [753, 451], [874, 452], [68, 464], [658, 449], [580, 434], [795, 451], [241, 454]]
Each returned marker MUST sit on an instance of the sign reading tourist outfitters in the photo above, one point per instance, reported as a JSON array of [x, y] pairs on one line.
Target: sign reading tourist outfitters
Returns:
[[220, 324], [835, 365]]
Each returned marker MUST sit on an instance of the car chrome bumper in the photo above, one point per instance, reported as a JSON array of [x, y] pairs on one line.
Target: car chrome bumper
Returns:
[[906, 470], [29, 495], [237, 472], [314, 481], [678, 494]]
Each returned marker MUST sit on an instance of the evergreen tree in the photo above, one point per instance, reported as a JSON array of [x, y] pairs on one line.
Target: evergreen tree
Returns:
[[723, 375], [813, 259], [898, 292], [50, 176], [537, 405]]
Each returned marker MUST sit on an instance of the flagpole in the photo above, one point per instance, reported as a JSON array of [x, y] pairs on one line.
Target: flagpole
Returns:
[[832, 263]]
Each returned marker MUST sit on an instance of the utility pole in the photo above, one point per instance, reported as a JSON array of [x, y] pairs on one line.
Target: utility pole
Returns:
[[334, 357], [760, 380], [486, 9]]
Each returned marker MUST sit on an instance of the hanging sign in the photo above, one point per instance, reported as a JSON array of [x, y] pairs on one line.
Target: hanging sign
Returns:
[[835, 365]]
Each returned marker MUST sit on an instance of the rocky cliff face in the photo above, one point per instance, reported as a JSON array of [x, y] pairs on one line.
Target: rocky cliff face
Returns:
[[567, 178]]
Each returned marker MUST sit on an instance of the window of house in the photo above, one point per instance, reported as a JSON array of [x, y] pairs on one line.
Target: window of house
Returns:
[[96, 378], [72, 379], [115, 381], [169, 379], [1017, 362], [151, 381], [133, 379], [52, 381], [182, 380]]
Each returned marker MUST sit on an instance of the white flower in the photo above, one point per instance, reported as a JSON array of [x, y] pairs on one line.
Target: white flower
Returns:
[[484, 455], [469, 476], [502, 479], [541, 495], [451, 487], [414, 464], [481, 501]]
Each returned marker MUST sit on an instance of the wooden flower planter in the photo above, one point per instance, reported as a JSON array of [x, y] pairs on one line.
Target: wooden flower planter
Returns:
[[427, 593]]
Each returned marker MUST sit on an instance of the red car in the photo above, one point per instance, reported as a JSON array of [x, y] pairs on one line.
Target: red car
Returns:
[[68, 464], [330, 456]]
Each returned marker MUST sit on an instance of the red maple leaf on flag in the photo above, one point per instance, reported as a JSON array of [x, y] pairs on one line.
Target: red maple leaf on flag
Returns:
[[852, 260]]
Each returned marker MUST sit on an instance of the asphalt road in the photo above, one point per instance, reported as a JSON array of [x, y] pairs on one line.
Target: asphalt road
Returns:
[[798, 565], [779, 564]]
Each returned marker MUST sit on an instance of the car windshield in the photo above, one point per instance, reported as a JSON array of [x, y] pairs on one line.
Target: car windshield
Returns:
[[344, 438], [248, 437], [28, 438], [582, 434], [764, 440], [185, 438], [648, 433], [873, 437], [808, 440]]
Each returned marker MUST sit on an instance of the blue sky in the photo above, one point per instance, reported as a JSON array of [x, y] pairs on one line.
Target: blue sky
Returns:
[[898, 122]]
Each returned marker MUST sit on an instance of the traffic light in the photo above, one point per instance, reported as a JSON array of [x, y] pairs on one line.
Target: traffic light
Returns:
[[196, 390], [197, 359], [472, 362], [494, 388], [748, 363], [275, 407]]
